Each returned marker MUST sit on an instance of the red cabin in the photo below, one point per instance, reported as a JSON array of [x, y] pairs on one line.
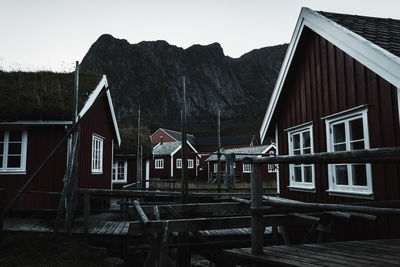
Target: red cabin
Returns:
[[36, 112], [338, 90]]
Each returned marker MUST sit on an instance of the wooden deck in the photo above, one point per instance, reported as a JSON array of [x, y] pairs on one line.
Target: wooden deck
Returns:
[[352, 253]]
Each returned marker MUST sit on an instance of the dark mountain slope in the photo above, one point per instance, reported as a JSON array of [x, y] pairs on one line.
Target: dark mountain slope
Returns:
[[149, 74]]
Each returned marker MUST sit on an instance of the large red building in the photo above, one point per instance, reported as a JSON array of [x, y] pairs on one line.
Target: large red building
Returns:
[[36, 113], [338, 90]]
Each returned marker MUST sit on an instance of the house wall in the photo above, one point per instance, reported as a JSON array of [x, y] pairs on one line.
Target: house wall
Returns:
[[161, 173], [323, 80], [41, 141], [131, 171], [190, 172], [155, 138], [96, 121]]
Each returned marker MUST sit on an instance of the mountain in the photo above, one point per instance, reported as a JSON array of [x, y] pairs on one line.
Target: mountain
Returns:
[[150, 73]]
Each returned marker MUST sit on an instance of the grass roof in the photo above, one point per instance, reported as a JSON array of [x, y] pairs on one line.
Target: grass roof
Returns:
[[42, 95]]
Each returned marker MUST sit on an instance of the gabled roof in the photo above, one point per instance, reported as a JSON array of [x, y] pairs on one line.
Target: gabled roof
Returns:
[[243, 150], [374, 42], [169, 148], [225, 140], [177, 135], [46, 98]]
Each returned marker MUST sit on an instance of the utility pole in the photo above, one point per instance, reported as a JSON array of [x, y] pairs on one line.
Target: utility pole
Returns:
[[138, 155], [184, 187], [219, 151]]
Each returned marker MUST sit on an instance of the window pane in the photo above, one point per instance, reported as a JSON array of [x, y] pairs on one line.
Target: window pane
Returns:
[[1, 136], [338, 133], [306, 139], [359, 174], [341, 175], [307, 174], [1, 161], [356, 129], [296, 141], [15, 136], [14, 161], [341, 147], [297, 173], [357, 145], [297, 152], [1, 147], [14, 148], [307, 151]]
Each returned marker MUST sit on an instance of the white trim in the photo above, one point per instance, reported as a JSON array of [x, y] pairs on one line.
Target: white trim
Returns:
[[92, 98], [147, 173], [179, 166], [4, 170], [160, 163], [112, 162], [246, 167], [348, 190], [278, 189], [100, 154], [300, 126], [188, 165], [398, 101], [307, 127], [176, 150], [345, 112], [36, 123], [172, 166], [382, 62], [115, 167], [215, 170], [180, 146]]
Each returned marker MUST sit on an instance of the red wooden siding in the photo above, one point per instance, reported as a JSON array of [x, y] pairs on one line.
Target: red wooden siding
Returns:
[[155, 138], [323, 80], [41, 141], [97, 121]]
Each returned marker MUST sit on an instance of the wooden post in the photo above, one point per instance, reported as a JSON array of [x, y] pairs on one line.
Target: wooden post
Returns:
[[163, 262], [257, 224], [142, 216], [2, 206], [219, 151], [184, 186], [75, 108], [86, 212]]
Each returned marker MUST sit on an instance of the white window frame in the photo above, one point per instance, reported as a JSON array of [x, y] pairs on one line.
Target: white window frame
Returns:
[[299, 130], [215, 167], [190, 163], [246, 167], [5, 142], [97, 154], [179, 163], [159, 163], [115, 179], [350, 189]]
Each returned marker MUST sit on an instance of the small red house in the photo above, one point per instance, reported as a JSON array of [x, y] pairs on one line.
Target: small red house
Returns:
[[167, 160], [36, 112], [338, 89], [166, 135], [125, 171], [243, 170]]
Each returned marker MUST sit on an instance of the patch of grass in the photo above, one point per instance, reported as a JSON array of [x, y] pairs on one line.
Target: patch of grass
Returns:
[[36, 249]]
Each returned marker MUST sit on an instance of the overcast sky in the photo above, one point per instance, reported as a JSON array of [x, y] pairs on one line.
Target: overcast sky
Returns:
[[53, 34]]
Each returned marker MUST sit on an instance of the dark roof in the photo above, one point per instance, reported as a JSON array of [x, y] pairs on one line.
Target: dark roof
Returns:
[[384, 32], [225, 140], [165, 148], [42, 95], [178, 135], [241, 150]]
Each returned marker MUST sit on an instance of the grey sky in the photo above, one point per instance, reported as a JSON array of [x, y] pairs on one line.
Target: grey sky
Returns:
[[53, 34]]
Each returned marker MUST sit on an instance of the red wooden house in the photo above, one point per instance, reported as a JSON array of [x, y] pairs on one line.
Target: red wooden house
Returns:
[[125, 171], [167, 160], [243, 170], [166, 135], [338, 89], [36, 111]]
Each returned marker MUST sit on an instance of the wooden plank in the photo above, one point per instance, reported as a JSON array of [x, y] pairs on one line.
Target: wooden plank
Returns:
[[142, 215], [257, 223], [112, 228], [97, 226], [356, 249], [119, 228]]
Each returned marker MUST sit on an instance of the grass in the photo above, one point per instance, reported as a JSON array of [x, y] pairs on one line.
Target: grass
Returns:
[[36, 249]]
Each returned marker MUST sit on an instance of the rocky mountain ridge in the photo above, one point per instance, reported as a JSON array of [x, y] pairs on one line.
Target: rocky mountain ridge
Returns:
[[150, 73]]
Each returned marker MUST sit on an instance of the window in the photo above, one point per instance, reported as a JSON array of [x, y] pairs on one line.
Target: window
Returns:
[[197, 162], [97, 154], [246, 167], [179, 163], [159, 163], [120, 172], [272, 167], [348, 131], [13, 146], [215, 167], [190, 163], [300, 143]]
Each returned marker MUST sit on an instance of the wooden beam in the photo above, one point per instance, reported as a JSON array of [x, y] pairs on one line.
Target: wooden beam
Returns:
[[329, 207], [257, 224], [142, 216], [241, 200], [306, 217], [373, 155]]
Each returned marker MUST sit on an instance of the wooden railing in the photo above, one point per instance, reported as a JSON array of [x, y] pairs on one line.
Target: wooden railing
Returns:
[[376, 155]]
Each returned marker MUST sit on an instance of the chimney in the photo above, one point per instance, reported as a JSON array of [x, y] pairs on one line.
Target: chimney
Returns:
[[161, 137]]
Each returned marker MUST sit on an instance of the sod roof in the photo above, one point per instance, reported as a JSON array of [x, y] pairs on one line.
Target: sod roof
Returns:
[[32, 96]]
